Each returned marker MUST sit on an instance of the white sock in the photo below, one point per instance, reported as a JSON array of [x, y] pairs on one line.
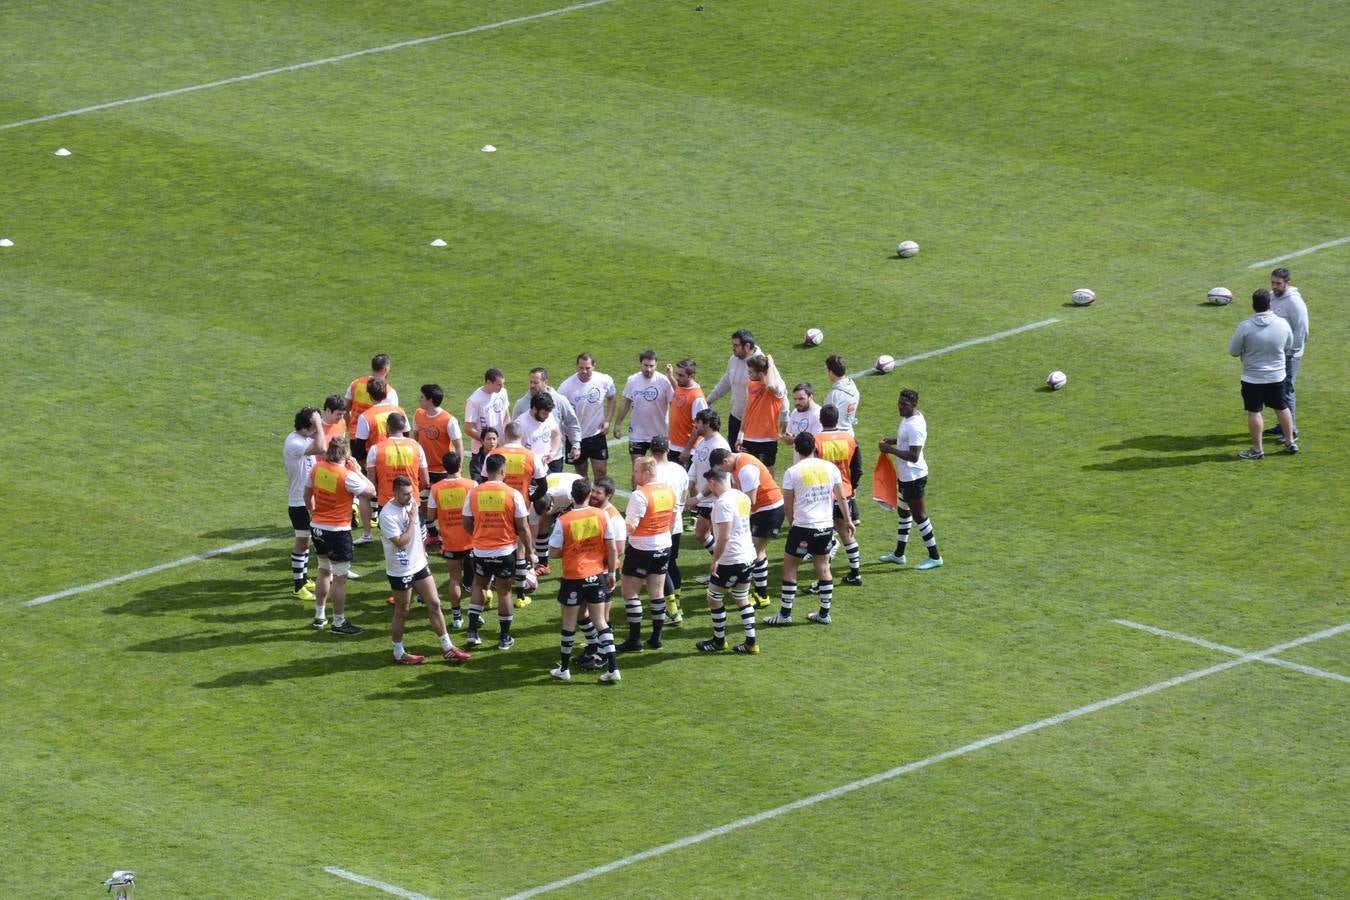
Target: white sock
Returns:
[[339, 619], [398, 650], [446, 644], [319, 610]]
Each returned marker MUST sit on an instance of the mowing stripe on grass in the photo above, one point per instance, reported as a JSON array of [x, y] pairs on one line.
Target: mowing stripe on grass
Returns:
[[375, 883], [1297, 253], [253, 76], [1297, 667], [197, 557], [988, 338], [963, 750]]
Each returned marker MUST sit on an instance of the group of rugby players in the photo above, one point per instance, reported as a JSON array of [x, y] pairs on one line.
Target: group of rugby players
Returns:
[[363, 459]]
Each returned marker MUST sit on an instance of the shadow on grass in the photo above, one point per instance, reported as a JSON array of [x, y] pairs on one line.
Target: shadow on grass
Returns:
[[218, 640], [1139, 463], [273, 530], [210, 594], [311, 667], [1178, 443]]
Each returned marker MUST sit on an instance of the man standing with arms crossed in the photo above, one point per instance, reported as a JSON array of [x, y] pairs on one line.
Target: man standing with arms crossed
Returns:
[[593, 396], [405, 562], [733, 382], [813, 497], [486, 407], [587, 541]]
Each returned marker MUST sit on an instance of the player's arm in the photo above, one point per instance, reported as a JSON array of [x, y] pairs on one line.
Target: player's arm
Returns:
[[367, 487], [909, 454], [855, 470], [471, 421], [788, 500], [842, 502], [309, 499], [722, 387], [774, 380], [555, 540], [404, 538], [611, 402], [525, 539], [623, 411], [318, 445], [721, 535], [555, 445]]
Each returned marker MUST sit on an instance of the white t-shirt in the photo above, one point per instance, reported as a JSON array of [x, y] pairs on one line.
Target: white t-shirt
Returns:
[[699, 466], [734, 507], [560, 491], [808, 421], [588, 398], [913, 432], [406, 560], [844, 397], [298, 466], [748, 479], [651, 402], [676, 478], [637, 508], [483, 410], [812, 484], [538, 436]]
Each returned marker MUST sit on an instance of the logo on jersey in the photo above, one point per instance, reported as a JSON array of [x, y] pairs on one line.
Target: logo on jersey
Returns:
[[649, 394]]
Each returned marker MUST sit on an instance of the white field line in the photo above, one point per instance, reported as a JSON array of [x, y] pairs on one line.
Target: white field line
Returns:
[[253, 76], [1297, 253], [198, 557], [375, 883], [1234, 651], [963, 750], [988, 338]]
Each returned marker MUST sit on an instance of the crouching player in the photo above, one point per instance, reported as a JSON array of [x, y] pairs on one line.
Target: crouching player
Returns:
[[586, 539], [405, 562]]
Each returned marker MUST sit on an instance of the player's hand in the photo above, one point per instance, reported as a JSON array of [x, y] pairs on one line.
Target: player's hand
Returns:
[[575, 454], [670, 371], [609, 582]]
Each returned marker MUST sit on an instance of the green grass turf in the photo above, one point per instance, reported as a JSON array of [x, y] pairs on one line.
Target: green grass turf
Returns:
[[205, 264]]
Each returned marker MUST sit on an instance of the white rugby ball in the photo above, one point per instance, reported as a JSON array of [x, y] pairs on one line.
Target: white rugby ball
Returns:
[[885, 363], [1056, 380], [906, 249], [1220, 296], [813, 337], [1084, 297]]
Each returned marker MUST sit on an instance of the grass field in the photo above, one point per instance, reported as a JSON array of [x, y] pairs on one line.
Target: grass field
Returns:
[[206, 263]]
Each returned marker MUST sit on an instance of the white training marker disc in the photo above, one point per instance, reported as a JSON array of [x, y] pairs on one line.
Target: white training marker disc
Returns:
[[438, 243], [6, 242], [61, 152], [488, 148]]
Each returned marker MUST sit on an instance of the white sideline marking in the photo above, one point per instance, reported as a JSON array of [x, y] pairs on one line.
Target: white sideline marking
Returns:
[[1297, 667], [927, 761], [998, 335], [69, 592], [1303, 252], [372, 882], [253, 76]]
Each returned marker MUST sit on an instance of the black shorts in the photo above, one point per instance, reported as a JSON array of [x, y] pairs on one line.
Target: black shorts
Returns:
[[456, 554], [766, 523], [576, 591], [815, 541], [638, 448], [913, 490], [594, 447], [765, 451], [676, 456], [703, 512], [334, 546], [495, 566], [730, 576], [1255, 396], [556, 465], [641, 563], [299, 517], [405, 582], [852, 510], [438, 476]]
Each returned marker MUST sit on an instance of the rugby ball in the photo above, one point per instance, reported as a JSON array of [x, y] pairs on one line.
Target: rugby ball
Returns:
[[1056, 380], [906, 249], [1083, 297], [813, 337], [885, 363], [1219, 296]]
